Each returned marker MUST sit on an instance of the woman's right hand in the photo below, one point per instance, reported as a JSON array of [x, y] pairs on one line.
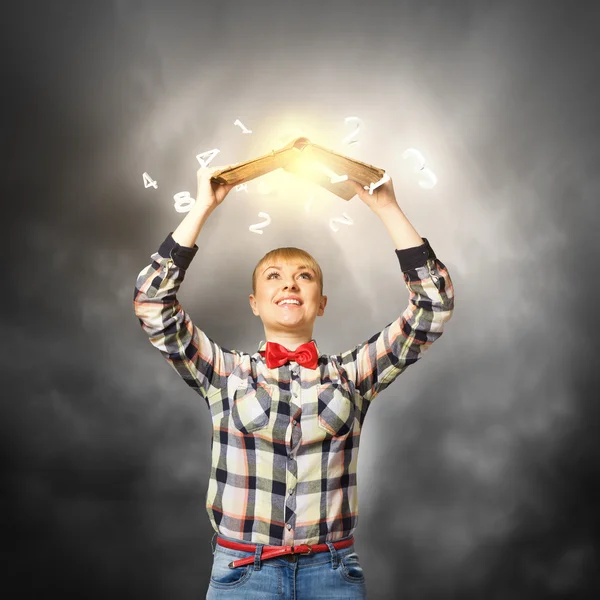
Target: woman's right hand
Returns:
[[210, 194]]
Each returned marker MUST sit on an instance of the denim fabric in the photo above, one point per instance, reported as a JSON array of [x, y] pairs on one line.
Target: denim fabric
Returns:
[[331, 575]]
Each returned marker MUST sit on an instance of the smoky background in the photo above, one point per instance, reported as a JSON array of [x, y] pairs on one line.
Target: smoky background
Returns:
[[478, 468]]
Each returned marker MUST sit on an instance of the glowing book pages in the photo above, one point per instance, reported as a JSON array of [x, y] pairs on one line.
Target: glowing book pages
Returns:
[[305, 159]]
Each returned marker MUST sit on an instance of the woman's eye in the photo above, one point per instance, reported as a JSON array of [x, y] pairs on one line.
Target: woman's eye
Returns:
[[276, 273]]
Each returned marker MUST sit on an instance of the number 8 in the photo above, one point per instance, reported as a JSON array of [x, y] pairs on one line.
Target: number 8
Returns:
[[183, 202]]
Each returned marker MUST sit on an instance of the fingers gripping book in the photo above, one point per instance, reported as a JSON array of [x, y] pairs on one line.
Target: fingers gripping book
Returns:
[[307, 160]]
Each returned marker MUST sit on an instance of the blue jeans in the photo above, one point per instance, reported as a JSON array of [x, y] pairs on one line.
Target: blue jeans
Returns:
[[332, 575]]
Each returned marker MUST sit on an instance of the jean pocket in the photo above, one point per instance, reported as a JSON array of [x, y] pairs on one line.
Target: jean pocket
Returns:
[[251, 407], [225, 577], [350, 568], [335, 409]]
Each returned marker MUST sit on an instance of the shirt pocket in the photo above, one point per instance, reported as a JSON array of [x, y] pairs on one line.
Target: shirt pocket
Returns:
[[335, 409], [251, 408]]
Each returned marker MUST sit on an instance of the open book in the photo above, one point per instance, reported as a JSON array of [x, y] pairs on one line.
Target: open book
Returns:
[[305, 159]]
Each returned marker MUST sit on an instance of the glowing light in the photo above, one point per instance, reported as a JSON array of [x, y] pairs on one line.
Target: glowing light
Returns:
[[346, 221], [354, 132], [183, 202], [259, 226], [308, 204], [334, 177], [244, 130], [204, 158], [291, 133], [243, 187], [264, 188], [373, 186], [148, 181]]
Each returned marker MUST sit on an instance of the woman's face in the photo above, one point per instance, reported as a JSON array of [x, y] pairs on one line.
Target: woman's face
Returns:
[[278, 280]]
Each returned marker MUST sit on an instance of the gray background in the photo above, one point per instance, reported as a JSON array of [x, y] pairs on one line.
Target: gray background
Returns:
[[479, 465]]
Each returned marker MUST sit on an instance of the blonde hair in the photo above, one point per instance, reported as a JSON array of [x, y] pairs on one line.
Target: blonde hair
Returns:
[[288, 255]]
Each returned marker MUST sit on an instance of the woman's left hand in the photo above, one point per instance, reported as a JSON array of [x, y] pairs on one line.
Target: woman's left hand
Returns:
[[383, 196]]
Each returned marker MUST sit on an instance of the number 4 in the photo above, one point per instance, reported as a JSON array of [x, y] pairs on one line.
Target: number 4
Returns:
[[204, 158], [149, 182]]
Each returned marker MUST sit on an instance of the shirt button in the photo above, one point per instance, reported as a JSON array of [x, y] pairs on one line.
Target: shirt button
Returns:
[[295, 395], [288, 526], [291, 491]]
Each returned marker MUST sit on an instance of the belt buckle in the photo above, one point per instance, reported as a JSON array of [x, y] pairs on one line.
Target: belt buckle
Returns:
[[309, 550]]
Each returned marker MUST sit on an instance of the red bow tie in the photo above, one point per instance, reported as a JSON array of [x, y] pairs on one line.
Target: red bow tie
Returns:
[[277, 355]]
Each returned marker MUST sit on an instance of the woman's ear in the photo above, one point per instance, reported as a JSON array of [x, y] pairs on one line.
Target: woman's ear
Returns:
[[252, 300], [323, 303]]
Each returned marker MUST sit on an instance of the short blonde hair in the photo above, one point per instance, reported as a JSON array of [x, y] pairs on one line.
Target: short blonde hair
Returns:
[[288, 255]]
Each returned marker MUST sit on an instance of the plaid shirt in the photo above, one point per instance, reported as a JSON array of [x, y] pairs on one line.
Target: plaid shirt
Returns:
[[284, 445]]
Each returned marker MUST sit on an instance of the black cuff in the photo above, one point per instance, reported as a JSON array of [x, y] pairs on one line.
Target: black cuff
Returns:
[[181, 255], [411, 258]]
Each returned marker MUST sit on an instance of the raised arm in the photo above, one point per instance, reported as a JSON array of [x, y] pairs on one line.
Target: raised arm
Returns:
[[202, 364], [209, 196], [375, 364]]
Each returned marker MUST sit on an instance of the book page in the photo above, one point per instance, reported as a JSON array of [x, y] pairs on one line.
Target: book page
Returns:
[[304, 159]]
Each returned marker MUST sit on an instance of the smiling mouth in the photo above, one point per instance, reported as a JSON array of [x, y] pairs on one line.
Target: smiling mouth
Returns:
[[289, 305]]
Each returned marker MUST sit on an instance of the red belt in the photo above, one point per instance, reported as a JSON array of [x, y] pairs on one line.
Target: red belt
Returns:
[[274, 551]]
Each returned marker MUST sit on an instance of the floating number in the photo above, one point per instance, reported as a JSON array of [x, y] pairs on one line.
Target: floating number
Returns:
[[348, 139], [183, 202], [414, 158], [259, 226], [148, 181], [346, 221], [204, 158], [427, 178], [373, 186], [244, 130]]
